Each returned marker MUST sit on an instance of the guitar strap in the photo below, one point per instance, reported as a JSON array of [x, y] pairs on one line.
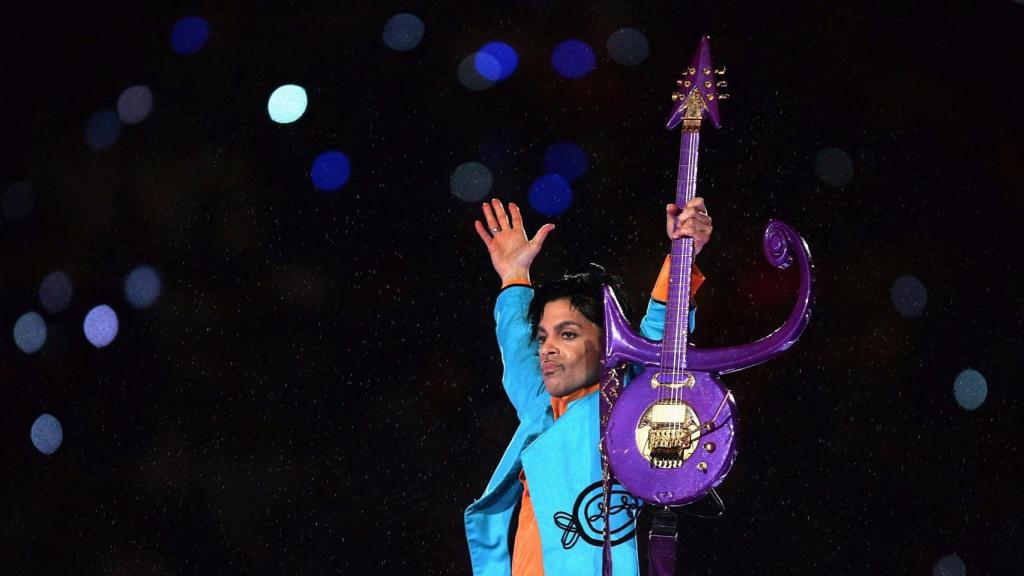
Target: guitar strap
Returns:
[[661, 548]]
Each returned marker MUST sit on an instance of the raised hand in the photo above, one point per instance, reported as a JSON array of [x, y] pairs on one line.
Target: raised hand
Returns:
[[511, 251], [692, 220]]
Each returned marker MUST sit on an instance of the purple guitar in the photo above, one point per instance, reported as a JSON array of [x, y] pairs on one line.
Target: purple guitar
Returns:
[[670, 436]]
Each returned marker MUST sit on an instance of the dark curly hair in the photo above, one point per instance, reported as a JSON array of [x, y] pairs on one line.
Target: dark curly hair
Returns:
[[583, 290]]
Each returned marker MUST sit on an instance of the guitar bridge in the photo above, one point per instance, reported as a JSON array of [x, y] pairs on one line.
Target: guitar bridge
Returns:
[[668, 433]]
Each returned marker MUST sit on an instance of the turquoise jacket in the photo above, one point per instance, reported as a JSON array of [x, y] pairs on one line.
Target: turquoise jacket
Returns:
[[561, 460]]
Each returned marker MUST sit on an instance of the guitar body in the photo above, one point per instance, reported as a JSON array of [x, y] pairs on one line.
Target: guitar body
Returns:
[[691, 411]]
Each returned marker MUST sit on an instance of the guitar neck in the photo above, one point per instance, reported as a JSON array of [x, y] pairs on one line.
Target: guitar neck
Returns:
[[673, 348]]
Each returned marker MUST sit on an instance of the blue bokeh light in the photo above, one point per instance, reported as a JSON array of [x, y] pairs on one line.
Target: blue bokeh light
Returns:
[[470, 77], [628, 46], [100, 326], [331, 170], [18, 201], [501, 64], [550, 195], [909, 295], [566, 159], [287, 104], [46, 434], [30, 332], [970, 389], [834, 167], [950, 565], [403, 32], [134, 104], [471, 182], [190, 35], [142, 287], [103, 129], [573, 59], [55, 292]]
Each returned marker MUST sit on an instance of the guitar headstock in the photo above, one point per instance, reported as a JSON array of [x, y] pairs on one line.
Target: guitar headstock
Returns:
[[698, 91]]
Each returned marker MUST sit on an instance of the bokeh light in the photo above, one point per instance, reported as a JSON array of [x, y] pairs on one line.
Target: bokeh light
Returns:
[[471, 182], [30, 332], [950, 565], [470, 77], [628, 46], [550, 195], [103, 129], [287, 103], [573, 59], [501, 64], [834, 167], [909, 295], [970, 389], [100, 326], [46, 434], [330, 170], [403, 32], [18, 201], [142, 287], [55, 292], [190, 35], [134, 104], [566, 159]]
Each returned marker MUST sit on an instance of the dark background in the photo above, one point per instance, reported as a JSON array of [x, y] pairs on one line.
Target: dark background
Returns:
[[317, 390]]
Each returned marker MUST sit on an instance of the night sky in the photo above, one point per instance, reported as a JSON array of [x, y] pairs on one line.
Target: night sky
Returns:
[[313, 385]]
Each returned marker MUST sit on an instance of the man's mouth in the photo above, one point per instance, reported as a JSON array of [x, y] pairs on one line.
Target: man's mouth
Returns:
[[548, 368]]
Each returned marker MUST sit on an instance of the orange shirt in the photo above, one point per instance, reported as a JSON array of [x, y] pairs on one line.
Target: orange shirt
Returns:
[[526, 555]]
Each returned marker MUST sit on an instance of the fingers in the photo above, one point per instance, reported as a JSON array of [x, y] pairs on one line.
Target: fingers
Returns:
[[538, 238], [517, 216], [499, 211], [482, 232], [492, 223]]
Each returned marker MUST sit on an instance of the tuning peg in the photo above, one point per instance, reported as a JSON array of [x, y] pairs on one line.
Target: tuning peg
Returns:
[[679, 82], [720, 71], [676, 96], [723, 96], [691, 71], [721, 83], [707, 71]]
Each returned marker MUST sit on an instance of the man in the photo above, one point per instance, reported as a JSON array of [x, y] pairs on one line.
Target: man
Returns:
[[539, 513]]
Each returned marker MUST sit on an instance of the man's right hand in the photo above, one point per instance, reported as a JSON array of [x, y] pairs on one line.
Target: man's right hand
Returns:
[[511, 251]]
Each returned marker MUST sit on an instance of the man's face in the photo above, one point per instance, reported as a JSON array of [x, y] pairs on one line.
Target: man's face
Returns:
[[570, 349]]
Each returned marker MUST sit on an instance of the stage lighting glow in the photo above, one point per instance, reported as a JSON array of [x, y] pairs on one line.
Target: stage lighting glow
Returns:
[[134, 104], [190, 35], [908, 295], [565, 159], [100, 326], [970, 389], [501, 64], [573, 59], [834, 167], [550, 195], [18, 201], [102, 129], [628, 46], [950, 565], [142, 287], [471, 182], [30, 332], [470, 77], [46, 434], [331, 171], [287, 104], [403, 32], [55, 292]]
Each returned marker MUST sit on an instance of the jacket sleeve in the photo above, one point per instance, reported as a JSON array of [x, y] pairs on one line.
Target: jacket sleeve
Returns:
[[521, 376]]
